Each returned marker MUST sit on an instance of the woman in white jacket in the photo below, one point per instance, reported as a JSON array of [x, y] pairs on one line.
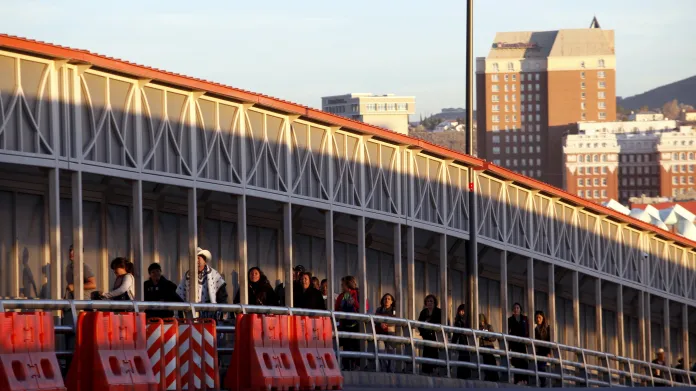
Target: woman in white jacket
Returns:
[[124, 285]]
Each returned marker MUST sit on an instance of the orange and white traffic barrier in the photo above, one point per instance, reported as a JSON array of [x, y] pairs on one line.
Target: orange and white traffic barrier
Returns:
[[162, 349]]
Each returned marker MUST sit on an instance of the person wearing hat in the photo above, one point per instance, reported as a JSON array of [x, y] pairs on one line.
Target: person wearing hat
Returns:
[[296, 285], [211, 286], [660, 360]]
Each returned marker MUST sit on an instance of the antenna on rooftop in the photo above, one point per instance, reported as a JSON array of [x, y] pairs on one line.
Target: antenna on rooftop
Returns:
[[595, 23]]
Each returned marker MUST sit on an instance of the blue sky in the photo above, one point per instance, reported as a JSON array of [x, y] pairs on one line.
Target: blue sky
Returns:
[[300, 50]]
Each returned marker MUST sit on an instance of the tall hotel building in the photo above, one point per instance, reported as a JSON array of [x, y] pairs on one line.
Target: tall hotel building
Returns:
[[535, 86]]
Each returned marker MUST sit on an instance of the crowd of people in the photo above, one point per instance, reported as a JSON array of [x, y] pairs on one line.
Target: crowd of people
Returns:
[[311, 293]]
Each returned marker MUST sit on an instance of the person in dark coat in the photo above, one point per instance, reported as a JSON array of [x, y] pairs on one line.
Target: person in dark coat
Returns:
[[518, 325], [260, 290], [349, 301], [309, 298], [487, 342], [461, 321], [296, 285], [430, 314], [542, 332], [658, 373], [387, 308], [158, 288]]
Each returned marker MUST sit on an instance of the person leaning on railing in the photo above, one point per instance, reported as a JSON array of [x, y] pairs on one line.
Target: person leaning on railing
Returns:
[[387, 308], [158, 288], [462, 322], [542, 332], [124, 284], [349, 301], [430, 314], [260, 291], [211, 286], [518, 326], [487, 342], [310, 298]]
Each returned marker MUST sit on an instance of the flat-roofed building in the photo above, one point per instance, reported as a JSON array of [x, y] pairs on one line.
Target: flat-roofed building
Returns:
[[388, 111]]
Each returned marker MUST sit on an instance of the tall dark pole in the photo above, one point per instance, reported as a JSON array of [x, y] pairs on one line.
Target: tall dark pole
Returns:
[[472, 248]]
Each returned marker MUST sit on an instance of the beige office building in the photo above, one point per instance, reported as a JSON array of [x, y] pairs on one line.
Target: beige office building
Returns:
[[387, 111]]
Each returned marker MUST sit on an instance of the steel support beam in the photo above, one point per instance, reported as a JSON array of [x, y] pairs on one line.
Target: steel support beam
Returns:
[[329, 243], [642, 325], [398, 281], [288, 261], [411, 271], [552, 301], [193, 245], [504, 305], [530, 295], [599, 324], [78, 239], [242, 250], [362, 265], [685, 336], [620, 328], [648, 321], [666, 330], [55, 281], [137, 238], [443, 280], [472, 245], [576, 307]]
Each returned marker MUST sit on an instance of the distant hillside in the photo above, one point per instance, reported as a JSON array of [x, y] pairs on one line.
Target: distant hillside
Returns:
[[452, 140], [684, 91]]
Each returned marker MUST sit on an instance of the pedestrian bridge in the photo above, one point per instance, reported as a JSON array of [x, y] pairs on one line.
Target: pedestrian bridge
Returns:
[[122, 159]]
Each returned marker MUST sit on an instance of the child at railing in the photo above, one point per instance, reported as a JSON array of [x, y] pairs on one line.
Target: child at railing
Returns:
[[387, 308]]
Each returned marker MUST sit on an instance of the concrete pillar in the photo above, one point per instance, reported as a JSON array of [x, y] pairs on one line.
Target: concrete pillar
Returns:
[[642, 326], [666, 329], [362, 265], [599, 324], [504, 305], [685, 335], [330, 261], [648, 321], [78, 239], [411, 272], [620, 328]]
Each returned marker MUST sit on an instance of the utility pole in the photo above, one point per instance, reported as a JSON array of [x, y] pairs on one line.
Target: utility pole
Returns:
[[472, 248]]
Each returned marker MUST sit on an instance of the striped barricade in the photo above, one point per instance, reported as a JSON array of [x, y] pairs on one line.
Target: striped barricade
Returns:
[[183, 354], [162, 349]]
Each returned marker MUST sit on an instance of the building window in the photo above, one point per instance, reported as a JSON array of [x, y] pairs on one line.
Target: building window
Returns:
[[514, 98], [538, 162], [496, 162], [538, 128], [507, 98], [507, 149], [604, 194], [602, 115], [538, 173], [600, 63], [691, 180], [524, 149], [355, 108], [402, 106], [507, 118], [536, 77], [513, 87], [582, 64], [496, 150], [582, 75], [494, 98], [514, 162], [495, 128], [494, 78], [522, 87], [582, 95], [507, 108], [495, 139], [380, 106], [514, 77], [602, 84], [495, 67], [495, 118], [495, 88], [639, 181], [581, 159], [600, 74], [582, 105], [604, 181], [522, 98], [495, 108], [529, 117], [511, 66], [529, 97], [675, 180], [683, 180], [514, 149], [682, 156], [600, 94], [691, 156], [675, 156], [538, 117], [514, 108], [371, 107], [595, 158], [505, 87], [538, 107], [601, 105], [538, 149], [691, 168], [507, 77], [604, 170], [537, 87], [529, 107], [391, 107], [536, 97], [624, 181], [581, 193], [582, 85], [596, 194]]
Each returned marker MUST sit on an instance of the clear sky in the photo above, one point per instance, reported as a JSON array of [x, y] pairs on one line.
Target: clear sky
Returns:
[[300, 50]]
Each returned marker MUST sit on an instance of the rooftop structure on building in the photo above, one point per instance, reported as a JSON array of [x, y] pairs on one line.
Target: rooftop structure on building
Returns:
[[646, 116], [388, 111], [674, 217], [533, 85]]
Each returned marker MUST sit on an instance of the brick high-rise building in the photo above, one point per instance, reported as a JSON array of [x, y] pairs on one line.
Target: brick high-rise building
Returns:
[[620, 160], [533, 86]]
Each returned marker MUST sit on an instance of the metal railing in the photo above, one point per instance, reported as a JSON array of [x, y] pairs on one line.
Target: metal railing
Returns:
[[401, 351]]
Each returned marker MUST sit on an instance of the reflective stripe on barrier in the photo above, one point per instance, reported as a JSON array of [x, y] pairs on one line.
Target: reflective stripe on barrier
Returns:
[[197, 351], [162, 348], [27, 353]]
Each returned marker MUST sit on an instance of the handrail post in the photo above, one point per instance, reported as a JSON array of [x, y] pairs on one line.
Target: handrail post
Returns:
[[652, 378], [447, 358], [630, 370], [536, 364], [374, 338], [338, 342], [606, 357], [508, 361], [584, 366], [478, 355], [413, 348], [560, 365]]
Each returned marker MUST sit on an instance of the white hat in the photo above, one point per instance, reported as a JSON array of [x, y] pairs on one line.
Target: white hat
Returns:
[[660, 350], [205, 254]]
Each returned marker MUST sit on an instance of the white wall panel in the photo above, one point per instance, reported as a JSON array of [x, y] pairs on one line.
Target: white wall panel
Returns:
[[6, 243], [118, 231], [489, 302], [31, 237], [262, 249], [609, 331], [310, 252]]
